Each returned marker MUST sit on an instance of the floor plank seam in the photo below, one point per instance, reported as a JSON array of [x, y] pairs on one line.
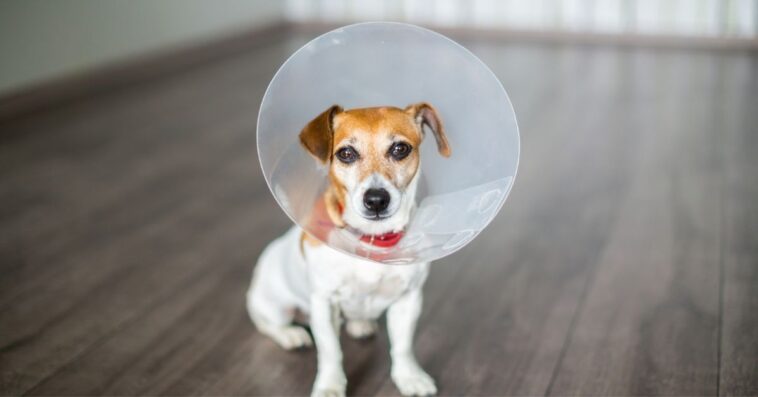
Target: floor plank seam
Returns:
[[572, 327], [722, 239]]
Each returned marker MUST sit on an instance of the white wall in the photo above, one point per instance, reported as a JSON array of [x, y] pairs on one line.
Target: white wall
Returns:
[[690, 18], [45, 39]]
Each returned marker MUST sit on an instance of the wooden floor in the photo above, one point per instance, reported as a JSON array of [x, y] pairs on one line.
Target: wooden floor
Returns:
[[625, 261]]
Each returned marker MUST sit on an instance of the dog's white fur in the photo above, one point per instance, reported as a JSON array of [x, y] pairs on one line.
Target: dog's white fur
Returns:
[[328, 285]]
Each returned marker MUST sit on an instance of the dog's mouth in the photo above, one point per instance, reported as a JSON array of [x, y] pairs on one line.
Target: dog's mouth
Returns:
[[376, 217], [385, 240], [377, 227]]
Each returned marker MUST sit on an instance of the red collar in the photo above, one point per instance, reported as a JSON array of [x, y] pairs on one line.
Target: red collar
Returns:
[[385, 240]]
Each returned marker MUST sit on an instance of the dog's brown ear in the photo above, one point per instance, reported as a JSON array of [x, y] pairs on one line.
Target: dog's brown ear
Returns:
[[317, 136], [426, 115]]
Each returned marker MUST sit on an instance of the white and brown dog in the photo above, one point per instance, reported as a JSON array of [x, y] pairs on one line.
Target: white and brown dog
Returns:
[[374, 161]]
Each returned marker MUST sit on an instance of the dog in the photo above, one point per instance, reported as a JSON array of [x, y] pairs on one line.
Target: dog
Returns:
[[373, 159]]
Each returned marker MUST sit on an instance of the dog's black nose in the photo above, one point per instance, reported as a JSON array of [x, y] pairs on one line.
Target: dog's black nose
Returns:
[[376, 200]]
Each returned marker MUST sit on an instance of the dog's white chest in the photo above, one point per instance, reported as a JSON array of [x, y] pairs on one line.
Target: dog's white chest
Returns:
[[366, 294], [362, 289]]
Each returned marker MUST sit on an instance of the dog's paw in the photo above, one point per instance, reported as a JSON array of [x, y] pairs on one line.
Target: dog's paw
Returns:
[[413, 381], [361, 329], [291, 337], [329, 386], [328, 393]]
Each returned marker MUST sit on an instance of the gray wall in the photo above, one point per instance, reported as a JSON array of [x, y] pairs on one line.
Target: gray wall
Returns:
[[43, 39]]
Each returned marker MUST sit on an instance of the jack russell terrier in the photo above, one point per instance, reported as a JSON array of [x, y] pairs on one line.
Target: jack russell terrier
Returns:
[[374, 164]]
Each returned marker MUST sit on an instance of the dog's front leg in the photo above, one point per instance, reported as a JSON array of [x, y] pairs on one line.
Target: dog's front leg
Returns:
[[408, 376], [325, 325]]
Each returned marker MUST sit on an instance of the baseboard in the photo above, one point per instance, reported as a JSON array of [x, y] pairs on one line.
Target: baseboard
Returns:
[[120, 74]]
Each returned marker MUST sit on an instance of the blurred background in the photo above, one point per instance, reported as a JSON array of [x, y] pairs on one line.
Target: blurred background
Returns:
[[132, 207], [48, 40]]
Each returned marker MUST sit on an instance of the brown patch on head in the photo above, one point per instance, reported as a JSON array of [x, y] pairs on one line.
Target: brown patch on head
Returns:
[[374, 121], [372, 132]]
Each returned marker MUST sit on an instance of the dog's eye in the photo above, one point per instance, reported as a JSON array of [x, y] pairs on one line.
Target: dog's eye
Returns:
[[400, 150], [347, 155]]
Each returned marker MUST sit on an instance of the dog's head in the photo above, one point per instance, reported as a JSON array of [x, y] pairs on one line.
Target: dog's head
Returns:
[[373, 159]]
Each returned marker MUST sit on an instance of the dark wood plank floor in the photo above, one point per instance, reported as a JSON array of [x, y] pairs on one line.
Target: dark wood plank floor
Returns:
[[624, 263]]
